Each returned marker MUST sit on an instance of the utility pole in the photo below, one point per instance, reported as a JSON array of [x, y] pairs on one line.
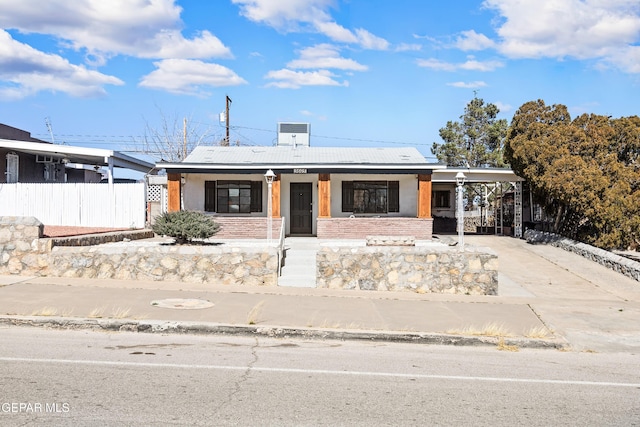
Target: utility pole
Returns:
[[227, 140]]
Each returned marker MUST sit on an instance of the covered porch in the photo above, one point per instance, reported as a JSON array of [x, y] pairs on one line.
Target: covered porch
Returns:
[[329, 193]]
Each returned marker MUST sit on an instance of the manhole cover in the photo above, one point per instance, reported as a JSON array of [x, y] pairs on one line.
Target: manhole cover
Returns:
[[182, 303]]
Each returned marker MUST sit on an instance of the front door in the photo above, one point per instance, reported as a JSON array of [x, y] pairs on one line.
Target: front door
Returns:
[[301, 208]]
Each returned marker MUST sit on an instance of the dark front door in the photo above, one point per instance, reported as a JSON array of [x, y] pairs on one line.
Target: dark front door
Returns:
[[301, 208]]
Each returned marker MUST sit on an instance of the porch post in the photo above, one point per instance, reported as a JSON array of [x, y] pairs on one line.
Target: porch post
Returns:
[[173, 192], [324, 195], [424, 196], [275, 197]]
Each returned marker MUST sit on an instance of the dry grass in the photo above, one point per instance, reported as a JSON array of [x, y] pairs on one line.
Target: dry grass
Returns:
[[488, 330], [120, 313], [96, 313], [46, 311], [502, 346], [537, 332], [254, 313]]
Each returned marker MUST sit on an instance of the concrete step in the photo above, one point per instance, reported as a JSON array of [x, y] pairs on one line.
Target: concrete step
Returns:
[[299, 268]]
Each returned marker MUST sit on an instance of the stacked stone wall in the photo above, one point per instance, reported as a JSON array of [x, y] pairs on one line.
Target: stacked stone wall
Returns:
[[194, 264], [23, 251], [422, 269]]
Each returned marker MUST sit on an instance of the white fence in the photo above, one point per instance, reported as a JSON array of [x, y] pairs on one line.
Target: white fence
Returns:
[[77, 204]]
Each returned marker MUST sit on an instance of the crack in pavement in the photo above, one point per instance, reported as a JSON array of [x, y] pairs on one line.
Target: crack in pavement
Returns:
[[242, 379]]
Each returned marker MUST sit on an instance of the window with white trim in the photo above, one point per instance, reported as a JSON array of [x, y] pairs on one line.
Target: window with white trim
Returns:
[[13, 163]]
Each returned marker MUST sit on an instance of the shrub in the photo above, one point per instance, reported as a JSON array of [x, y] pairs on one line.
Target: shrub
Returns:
[[185, 226]]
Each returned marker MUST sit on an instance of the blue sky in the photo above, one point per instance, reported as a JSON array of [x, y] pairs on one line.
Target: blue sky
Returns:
[[362, 72]]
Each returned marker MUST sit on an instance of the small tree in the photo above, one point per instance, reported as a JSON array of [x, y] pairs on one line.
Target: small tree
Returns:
[[185, 226]]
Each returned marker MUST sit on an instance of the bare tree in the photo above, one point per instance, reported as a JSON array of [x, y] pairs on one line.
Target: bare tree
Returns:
[[174, 138]]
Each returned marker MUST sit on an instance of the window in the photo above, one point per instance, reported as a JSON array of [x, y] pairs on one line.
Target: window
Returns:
[[370, 196], [442, 199], [13, 162], [233, 196]]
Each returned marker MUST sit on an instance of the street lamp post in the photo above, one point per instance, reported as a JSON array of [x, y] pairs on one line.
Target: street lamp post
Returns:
[[460, 177], [269, 176]]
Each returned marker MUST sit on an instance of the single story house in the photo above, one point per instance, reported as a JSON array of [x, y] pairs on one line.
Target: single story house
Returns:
[[335, 192]]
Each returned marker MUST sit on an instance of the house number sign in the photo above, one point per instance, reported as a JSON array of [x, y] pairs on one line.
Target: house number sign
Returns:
[[299, 170]]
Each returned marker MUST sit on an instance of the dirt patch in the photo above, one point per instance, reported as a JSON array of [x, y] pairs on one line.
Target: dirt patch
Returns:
[[65, 231]]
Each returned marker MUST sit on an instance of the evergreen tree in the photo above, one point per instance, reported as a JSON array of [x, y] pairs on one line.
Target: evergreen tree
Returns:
[[586, 171], [475, 141]]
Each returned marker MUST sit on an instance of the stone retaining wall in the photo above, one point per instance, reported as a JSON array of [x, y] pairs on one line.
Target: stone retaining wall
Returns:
[[194, 264], [419, 269], [23, 251], [622, 265]]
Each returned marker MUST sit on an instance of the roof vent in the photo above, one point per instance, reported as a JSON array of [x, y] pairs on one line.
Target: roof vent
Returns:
[[294, 134]]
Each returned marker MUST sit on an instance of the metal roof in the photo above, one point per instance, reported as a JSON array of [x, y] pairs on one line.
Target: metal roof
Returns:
[[313, 158]]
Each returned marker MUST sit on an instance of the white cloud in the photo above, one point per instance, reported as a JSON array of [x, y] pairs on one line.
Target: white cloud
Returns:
[[29, 71], [405, 47], [369, 41], [324, 56], [582, 29], [468, 85], [307, 15], [335, 32], [470, 40], [436, 64], [504, 108], [474, 65], [189, 77], [471, 64], [145, 29], [627, 59], [288, 79]]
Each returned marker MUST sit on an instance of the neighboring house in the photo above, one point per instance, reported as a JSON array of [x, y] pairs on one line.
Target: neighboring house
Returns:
[[21, 166], [30, 160], [60, 184], [325, 192]]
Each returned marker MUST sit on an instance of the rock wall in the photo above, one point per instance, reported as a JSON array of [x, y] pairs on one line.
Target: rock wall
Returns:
[[24, 252], [194, 264], [421, 269]]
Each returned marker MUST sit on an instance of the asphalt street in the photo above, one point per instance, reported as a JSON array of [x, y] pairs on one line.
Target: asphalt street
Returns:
[[99, 378]]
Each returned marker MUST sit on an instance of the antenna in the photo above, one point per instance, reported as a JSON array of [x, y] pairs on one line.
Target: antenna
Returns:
[[48, 123]]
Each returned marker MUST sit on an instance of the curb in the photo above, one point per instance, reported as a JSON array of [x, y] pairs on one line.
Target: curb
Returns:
[[181, 327]]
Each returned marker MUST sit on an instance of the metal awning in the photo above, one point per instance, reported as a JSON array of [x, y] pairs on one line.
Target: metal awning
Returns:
[[81, 155]]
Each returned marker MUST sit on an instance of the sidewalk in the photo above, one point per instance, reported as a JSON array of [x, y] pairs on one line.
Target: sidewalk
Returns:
[[547, 298]]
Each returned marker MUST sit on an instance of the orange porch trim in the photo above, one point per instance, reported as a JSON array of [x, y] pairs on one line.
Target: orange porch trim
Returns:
[[324, 195], [275, 197], [424, 196], [173, 192]]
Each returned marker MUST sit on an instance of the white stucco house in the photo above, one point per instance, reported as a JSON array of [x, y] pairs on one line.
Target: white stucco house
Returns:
[[328, 192]]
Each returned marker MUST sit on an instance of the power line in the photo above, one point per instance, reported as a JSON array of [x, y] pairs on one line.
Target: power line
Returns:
[[134, 139]]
